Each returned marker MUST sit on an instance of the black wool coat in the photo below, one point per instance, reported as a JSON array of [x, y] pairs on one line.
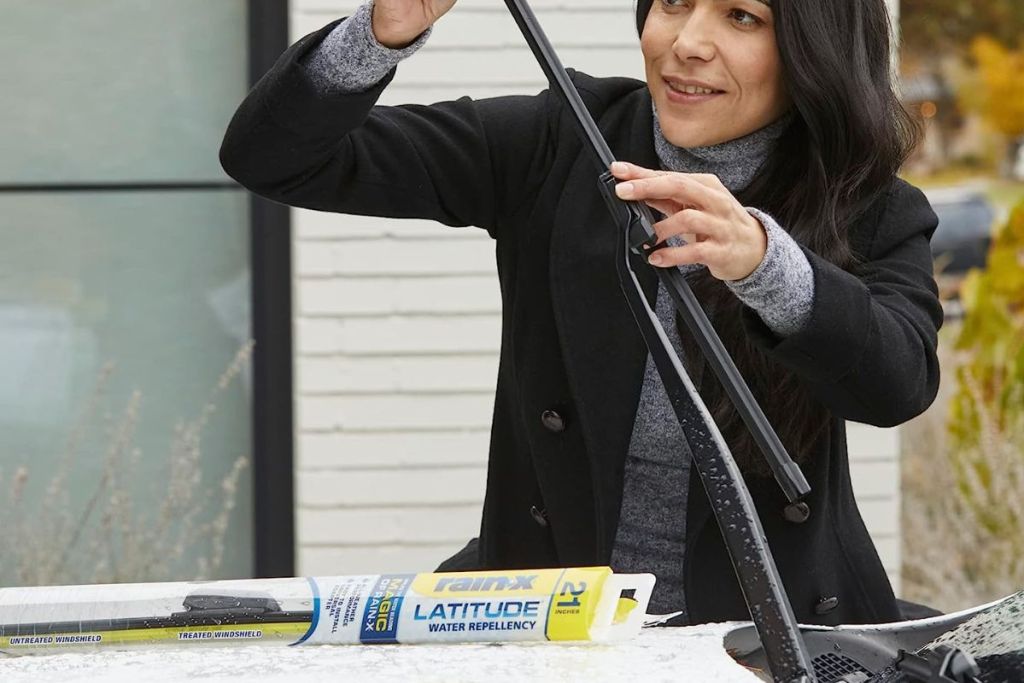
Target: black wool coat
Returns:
[[572, 359]]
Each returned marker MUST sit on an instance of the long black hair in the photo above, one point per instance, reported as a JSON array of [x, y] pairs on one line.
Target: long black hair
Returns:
[[849, 136]]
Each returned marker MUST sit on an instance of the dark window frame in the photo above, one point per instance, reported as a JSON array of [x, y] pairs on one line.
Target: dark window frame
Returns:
[[271, 292], [272, 428]]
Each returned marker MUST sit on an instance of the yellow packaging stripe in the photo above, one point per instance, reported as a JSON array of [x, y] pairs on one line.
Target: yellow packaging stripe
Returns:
[[574, 602], [212, 634], [623, 608], [511, 583]]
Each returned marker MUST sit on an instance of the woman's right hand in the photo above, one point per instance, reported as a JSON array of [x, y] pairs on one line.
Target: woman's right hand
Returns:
[[397, 23]]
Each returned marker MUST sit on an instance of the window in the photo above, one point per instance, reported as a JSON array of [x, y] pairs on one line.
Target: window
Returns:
[[126, 281]]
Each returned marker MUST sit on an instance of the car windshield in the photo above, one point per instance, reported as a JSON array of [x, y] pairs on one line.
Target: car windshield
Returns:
[[997, 631]]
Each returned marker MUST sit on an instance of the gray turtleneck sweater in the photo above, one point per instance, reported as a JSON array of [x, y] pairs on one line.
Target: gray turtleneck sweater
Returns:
[[652, 523]]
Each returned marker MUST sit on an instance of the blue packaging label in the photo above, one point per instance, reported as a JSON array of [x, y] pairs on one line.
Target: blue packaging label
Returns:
[[383, 608]]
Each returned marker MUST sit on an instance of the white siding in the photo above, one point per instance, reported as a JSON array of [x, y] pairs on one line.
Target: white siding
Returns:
[[875, 470], [397, 325]]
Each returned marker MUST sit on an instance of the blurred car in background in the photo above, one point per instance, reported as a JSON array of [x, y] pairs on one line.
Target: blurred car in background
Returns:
[[961, 242]]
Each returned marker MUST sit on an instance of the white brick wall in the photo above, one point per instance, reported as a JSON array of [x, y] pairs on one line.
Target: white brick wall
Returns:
[[397, 325], [875, 469]]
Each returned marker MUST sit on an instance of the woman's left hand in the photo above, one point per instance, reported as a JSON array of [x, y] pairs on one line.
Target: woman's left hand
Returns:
[[720, 233]]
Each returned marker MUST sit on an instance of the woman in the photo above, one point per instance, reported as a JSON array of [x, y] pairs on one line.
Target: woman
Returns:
[[768, 136]]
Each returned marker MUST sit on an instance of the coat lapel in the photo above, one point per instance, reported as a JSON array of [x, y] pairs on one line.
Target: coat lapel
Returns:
[[603, 351]]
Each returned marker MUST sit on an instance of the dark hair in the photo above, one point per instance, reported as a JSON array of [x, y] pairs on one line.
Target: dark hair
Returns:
[[849, 136]]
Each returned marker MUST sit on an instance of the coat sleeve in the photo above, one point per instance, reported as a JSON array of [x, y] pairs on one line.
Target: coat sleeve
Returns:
[[464, 162], [868, 351]]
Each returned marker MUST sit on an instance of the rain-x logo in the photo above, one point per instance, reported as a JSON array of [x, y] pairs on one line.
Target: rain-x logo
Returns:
[[485, 584]]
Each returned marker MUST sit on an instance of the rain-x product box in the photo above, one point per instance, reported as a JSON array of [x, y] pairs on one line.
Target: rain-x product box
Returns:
[[572, 604]]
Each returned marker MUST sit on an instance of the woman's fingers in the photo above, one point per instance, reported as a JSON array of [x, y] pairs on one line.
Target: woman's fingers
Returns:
[[695, 252], [685, 222], [624, 170], [721, 234], [708, 180], [666, 207], [675, 186], [665, 181]]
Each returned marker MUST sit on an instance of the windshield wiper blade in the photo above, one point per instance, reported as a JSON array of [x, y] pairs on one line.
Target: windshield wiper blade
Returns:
[[766, 599], [786, 472]]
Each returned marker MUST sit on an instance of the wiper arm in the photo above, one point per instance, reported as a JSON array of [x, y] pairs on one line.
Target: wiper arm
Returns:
[[766, 599], [787, 473]]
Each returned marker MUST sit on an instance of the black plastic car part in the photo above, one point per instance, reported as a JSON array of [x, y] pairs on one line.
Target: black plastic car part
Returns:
[[993, 634]]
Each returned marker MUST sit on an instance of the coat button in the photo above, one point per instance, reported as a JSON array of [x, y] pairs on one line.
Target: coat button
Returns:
[[797, 513], [552, 421], [539, 516], [826, 605]]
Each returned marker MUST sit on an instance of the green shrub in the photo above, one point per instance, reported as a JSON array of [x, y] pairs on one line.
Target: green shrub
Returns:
[[992, 336], [963, 470]]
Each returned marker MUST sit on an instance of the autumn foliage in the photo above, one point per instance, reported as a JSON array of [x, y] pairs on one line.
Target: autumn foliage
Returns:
[[963, 513], [997, 89], [993, 338]]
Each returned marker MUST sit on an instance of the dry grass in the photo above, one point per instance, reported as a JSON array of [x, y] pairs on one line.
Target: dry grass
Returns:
[[114, 537], [963, 510]]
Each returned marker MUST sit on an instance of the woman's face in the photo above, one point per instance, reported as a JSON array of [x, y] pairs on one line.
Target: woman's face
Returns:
[[725, 46]]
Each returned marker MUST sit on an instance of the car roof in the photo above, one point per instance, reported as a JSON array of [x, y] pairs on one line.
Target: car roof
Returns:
[[954, 195]]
